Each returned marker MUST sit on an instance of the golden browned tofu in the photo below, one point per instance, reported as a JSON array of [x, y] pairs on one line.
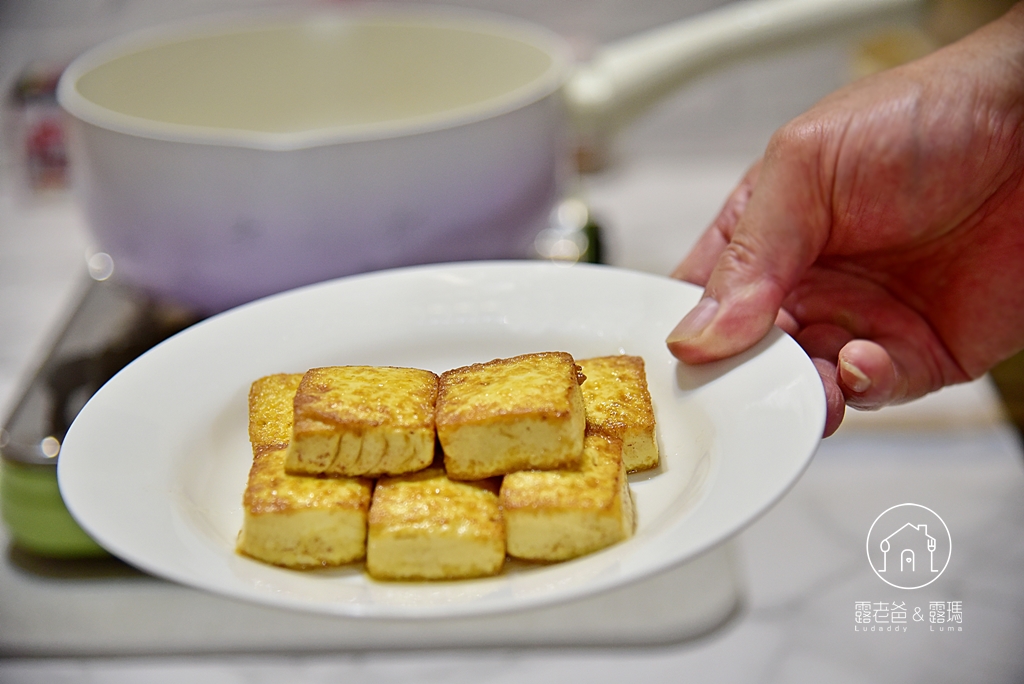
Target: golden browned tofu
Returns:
[[424, 526], [295, 522], [270, 411], [511, 414], [618, 403], [363, 421], [561, 514]]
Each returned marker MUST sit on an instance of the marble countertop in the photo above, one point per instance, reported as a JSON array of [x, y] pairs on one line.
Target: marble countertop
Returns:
[[803, 565]]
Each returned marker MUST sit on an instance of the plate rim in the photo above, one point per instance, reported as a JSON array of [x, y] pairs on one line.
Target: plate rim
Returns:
[[464, 609]]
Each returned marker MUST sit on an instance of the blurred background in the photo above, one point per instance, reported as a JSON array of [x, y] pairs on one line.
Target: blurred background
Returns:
[[657, 187], [661, 182], [667, 174]]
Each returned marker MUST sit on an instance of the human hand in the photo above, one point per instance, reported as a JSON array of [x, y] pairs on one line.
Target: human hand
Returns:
[[883, 229]]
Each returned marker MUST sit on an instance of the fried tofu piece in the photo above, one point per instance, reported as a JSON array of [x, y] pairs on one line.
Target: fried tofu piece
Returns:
[[270, 411], [363, 421], [424, 526], [512, 414], [295, 522], [618, 403], [561, 514]]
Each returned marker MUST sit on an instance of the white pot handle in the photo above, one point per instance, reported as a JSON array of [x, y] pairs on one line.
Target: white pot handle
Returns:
[[627, 77]]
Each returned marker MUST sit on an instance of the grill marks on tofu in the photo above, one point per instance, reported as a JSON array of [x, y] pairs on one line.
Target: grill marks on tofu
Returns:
[[293, 521], [511, 414], [564, 452], [363, 421]]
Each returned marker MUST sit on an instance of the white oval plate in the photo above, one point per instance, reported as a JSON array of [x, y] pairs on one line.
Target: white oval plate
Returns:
[[155, 465]]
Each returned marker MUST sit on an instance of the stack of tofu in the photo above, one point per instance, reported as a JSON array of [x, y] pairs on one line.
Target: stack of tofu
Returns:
[[429, 477]]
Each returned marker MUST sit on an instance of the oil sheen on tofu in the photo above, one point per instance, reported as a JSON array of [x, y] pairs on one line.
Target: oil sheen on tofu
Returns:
[[363, 421], [424, 526], [511, 414], [295, 522], [618, 404], [561, 514], [524, 457]]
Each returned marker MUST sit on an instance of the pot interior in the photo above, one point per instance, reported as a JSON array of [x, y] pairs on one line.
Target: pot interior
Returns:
[[324, 74]]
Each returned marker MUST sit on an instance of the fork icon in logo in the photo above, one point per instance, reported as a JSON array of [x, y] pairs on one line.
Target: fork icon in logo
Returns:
[[909, 532]]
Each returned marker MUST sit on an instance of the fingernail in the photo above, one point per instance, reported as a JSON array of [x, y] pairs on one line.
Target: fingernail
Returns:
[[695, 321], [854, 377]]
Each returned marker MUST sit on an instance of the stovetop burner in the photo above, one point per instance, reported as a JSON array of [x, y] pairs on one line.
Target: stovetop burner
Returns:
[[111, 326]]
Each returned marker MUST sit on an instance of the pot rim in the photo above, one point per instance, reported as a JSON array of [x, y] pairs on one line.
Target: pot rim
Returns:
[[84, 109]]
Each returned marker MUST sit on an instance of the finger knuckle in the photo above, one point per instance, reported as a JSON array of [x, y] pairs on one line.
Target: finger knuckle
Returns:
[[798, 138]]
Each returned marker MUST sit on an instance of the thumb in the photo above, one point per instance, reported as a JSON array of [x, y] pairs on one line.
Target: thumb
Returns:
[[782, 231]]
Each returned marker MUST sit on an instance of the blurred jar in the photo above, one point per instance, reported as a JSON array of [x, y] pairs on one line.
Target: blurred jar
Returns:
[[38, 128]]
